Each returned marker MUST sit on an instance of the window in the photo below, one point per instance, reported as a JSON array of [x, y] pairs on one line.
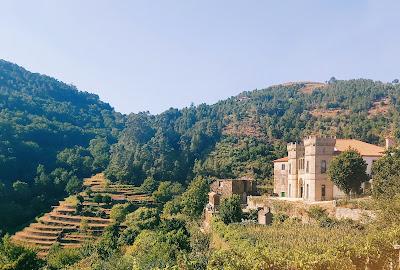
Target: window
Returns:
[[323, 191], [308, 166], [301, 164], [301, 188], [307, 191], [290, 190], [323, 166], [290, 167], [220, 183], [283, 167]]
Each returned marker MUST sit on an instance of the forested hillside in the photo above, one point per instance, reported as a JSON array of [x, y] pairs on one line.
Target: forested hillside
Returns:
[[242, 135], [51, 135]]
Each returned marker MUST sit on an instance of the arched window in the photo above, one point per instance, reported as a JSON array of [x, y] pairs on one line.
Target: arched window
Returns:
[[323, 166]]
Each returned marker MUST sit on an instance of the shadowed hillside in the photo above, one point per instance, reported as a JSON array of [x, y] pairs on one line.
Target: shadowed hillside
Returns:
[[51, 134]]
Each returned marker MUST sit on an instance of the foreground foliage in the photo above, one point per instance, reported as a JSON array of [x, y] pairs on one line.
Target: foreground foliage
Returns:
[[14, 257], [291, 245]]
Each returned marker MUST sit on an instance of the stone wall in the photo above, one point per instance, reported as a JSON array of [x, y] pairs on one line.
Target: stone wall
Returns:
[[298, 208]]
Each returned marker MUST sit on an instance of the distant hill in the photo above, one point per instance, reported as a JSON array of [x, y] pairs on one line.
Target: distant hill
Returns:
[[47, 130], [40, 116], [240, 136]]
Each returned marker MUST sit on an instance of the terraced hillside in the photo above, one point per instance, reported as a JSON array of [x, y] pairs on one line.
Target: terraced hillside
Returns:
[[79, 218]]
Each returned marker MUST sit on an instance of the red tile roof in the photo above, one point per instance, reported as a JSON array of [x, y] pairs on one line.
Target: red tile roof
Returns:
[[284, 159], [365, 149]]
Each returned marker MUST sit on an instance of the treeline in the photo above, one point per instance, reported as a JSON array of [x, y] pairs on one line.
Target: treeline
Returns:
[[51, 136], [242, 135]]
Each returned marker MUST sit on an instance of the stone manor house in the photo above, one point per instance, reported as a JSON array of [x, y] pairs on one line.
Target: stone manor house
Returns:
[[303, 173]]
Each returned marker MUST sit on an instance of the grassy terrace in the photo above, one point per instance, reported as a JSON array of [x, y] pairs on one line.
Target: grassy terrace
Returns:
[[69, 225]]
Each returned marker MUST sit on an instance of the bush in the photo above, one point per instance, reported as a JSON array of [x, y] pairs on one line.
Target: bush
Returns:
[[280, 217], [98, 198], [195, 198], [119, 212], [231, 209], [149, 185], [14, 257], [316, 212], [143, 219], [106, 199], [319, 214], [59, 258], [167, 191], [73, 186]]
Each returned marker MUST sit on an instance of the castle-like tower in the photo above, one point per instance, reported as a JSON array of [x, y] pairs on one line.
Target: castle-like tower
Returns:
[[317, 155], [307, 168], [295, 153]]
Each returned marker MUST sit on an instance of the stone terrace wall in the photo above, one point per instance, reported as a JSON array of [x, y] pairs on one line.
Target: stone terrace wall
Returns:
[[298, 208]]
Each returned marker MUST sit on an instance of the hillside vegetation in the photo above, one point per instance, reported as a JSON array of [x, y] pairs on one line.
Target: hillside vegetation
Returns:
[[51, 134], [242, 135]]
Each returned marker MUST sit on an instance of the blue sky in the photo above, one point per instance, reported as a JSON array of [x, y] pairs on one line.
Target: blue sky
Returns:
[[152, 55]]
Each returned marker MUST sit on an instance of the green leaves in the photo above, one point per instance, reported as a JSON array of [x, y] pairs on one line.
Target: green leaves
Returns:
[[166, 191], [231, 210], [386, 175], [73, 186], [195, 198], [348, 171], [13, 257]]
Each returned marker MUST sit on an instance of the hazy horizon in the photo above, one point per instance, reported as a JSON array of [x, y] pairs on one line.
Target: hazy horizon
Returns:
[[141, 56]]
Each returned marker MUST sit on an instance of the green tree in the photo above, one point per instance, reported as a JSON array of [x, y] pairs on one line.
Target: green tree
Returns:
[[43, 180], [118, 212], [231, 210], [73, 186], [106, 199], [149, 251], [22, 190], [100, 151], [195, 197], [386, 175], [77, 159], [13, 257], [175, 233], [172, 207], [61, 258], [108, 244], [2, 190], [98, 198], [143, 218], [149, 185], [166, 191], [348, 171]]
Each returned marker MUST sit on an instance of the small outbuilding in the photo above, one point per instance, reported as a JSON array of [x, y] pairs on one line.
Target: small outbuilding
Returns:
[[265, 217]]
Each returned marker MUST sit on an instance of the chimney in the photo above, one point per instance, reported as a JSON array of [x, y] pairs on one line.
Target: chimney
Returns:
[[389, 142]]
